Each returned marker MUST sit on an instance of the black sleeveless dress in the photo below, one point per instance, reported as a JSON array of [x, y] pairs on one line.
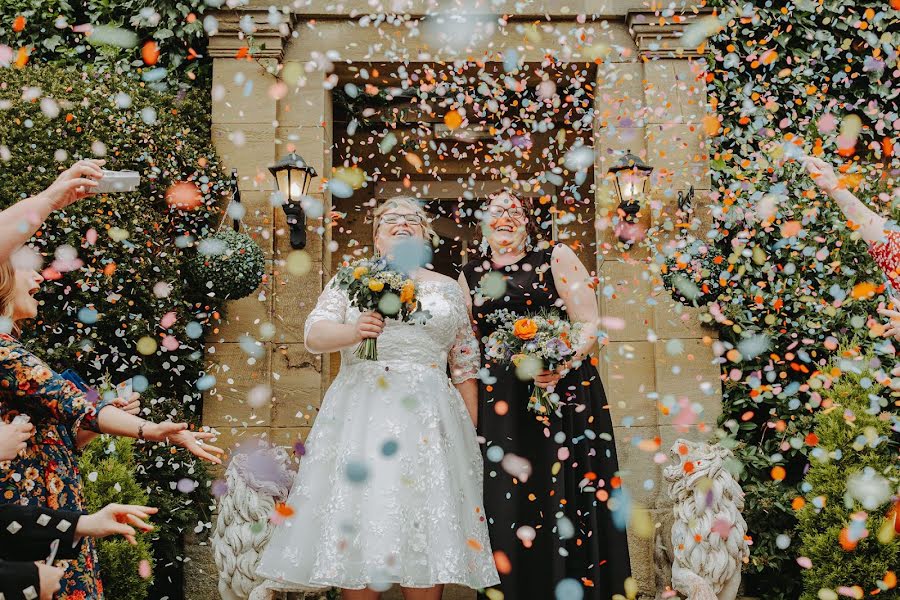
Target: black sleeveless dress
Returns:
[[563, 504]]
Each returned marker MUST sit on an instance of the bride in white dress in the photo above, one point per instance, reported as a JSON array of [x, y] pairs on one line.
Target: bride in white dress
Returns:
[[389, 490]]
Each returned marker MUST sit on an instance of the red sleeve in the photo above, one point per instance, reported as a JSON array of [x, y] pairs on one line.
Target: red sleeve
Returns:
[[886, 253]]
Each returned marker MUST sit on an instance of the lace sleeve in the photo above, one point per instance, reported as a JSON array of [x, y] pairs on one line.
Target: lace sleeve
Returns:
[[331, 306], [465, 357]]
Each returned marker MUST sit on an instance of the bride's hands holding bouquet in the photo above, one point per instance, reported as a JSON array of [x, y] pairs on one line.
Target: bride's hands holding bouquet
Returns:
[[370, 325]]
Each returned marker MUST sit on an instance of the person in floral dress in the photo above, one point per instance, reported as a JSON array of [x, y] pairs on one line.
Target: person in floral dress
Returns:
[[46, 473]]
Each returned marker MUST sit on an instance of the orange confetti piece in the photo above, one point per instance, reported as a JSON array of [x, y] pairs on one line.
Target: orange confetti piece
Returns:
[[453, 119], [791, 229], [863, 290], [798, 503], [711, 125], [21, 58], [846, 543], [812, 439], [501, 408], [688, 467], [150, 53], [18, 24], [778, 473], [887, 147], [474, 545], [284, 510], [768, 57], [502, 562]]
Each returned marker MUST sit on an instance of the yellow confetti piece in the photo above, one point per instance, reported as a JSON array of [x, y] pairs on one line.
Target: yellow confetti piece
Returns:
[[146, 345]]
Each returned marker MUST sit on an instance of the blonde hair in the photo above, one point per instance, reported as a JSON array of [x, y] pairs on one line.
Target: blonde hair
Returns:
[[7, 288], [407, 202]]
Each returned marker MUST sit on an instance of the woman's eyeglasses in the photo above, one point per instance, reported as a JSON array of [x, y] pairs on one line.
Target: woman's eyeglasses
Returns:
[[395, 219], [517, 213]]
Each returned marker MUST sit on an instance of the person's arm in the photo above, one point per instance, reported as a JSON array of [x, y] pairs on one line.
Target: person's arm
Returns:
[[29, 580], [19, 580], [33, 386], [464, 360], [575, 287], [871, 224], [131, 405], [21, 220], [326, 329], [26, 532]]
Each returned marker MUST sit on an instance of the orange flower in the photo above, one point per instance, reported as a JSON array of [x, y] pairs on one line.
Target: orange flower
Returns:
[[525, 329], [408, 291]]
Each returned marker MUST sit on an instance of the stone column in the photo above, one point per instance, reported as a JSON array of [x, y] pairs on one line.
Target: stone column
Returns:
[[264, 108], [243, 115], [658, 357]]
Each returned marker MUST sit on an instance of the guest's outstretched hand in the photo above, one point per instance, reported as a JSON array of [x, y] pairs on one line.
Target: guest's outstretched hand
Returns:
[[822, 174], [192, 441], [116, 519]]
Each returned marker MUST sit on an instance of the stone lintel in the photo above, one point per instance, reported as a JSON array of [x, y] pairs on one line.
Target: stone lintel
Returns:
[[660, 37], [264, 40]]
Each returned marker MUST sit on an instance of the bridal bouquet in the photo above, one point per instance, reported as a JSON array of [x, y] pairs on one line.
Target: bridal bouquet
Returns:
[[373, 285], [544, 339]]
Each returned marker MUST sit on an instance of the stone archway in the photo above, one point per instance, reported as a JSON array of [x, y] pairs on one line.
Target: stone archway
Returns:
[[649, 100]]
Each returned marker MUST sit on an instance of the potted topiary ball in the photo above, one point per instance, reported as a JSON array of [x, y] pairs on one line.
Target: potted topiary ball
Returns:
[[229, 265], [692, 274]]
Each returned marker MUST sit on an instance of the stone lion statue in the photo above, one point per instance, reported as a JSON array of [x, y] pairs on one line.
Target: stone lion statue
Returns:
[[708, 533], [257, 478]]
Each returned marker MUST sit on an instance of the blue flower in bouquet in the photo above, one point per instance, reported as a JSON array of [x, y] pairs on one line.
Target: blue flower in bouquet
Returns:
[[557, 347]]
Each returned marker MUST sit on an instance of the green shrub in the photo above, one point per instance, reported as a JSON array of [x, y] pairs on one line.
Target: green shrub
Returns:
[[108, 469], [132, 272], [175, 26], [854, 437], [782, 76]]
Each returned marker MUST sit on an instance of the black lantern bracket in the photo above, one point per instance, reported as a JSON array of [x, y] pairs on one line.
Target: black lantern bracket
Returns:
[[292, 177]]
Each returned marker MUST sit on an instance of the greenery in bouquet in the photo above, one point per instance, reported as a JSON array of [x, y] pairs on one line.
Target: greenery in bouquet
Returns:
[[533, 343], [373, 284], [116, 299], [228, 265]]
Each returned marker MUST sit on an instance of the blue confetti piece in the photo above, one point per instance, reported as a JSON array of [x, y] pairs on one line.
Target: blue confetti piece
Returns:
[[88, 316], [389, 448], [569, 589], [139, 384]]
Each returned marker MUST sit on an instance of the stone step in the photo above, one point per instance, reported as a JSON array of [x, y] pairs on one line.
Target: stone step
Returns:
[[451, 592]]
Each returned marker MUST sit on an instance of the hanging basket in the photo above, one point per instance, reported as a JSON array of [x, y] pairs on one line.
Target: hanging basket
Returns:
[[228, 265]]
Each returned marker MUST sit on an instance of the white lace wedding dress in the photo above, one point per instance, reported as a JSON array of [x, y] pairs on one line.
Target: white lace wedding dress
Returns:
[[389, 490]]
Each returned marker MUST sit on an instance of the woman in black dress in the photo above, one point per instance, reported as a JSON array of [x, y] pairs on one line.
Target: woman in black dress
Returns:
[[551, 516]]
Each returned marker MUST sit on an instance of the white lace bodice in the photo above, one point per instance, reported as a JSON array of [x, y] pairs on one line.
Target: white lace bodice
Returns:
[[445, 338]]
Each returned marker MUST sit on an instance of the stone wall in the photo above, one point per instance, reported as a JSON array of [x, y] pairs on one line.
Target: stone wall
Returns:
[[649, 101]]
